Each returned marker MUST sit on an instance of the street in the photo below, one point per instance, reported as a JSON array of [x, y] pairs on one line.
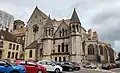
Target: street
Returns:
[[96, 71]]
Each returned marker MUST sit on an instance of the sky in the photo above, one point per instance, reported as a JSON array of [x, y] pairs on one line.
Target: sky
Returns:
[[100, 15]]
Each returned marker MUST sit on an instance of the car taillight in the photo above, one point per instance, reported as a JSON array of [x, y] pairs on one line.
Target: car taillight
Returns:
[[76, 64]]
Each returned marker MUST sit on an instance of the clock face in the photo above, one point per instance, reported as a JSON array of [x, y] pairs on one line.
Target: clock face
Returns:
[[35, 28]]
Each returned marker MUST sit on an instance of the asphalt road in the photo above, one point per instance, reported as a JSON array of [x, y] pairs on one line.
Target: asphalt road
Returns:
[[96, 71]]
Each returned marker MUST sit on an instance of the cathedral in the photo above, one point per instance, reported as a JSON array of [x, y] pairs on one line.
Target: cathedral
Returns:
[[63, 40]]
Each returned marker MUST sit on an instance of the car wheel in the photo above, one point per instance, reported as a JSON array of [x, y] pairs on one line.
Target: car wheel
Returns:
[[14, 72], [57, 70], [70, 69], [39, 71]]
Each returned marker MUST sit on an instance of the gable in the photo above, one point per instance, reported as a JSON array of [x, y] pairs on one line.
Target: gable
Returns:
[[63, 26], [37, 14]]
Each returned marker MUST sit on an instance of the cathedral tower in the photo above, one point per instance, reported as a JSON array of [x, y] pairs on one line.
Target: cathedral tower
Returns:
[[75, 31]]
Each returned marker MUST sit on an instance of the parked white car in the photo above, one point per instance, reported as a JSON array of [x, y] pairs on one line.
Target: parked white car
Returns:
[[50, 66], [91, 65]]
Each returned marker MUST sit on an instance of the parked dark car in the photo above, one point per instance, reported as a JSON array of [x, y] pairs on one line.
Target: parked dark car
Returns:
[[76, 65], [106, 66], [67, 66]]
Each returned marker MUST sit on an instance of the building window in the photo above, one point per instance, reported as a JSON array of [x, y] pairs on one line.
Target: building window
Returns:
[[73, 26], [13, 46], [53, 51], [64, 59], [62, 47], [60, 33], [77, 28], [66, 47], [101, 49], [30, 53], [58, 48], [16, 55], [12, 55], [1, 44], [55, 58], [17, 47], [59, 59], [10, 45], [65, 32], [41, 52], [9, 54], [49, 31], [91, 49], [45, 32]]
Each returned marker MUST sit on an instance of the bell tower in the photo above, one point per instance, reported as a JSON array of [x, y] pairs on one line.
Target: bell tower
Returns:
[[75, 32], [47, 40]]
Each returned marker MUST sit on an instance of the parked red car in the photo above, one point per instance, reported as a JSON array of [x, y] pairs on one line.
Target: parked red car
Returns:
[[76, 65], [31, 67]]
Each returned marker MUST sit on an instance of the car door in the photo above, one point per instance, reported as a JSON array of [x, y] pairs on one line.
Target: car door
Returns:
[[50, 66], [31, 67], [4, 67]]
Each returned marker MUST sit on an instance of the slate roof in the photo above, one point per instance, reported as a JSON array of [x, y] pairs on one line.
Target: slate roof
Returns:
[[33, 45], [7, 36], [74, 18], [49, 22]]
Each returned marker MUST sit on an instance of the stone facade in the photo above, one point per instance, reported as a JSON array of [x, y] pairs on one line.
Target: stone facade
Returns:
[[63, 40]]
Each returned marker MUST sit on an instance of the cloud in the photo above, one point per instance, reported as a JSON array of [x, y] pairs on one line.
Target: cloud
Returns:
[[101, 15]]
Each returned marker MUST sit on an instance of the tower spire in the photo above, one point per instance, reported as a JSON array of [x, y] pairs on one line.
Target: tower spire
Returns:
[[74, 18], [49, 22]]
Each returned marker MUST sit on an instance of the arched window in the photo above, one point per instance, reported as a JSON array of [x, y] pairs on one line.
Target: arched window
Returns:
[[55, 58], [64, 59], [101, 49], [45, 32], [59, 59], [73, 26], [49, 31], [66, 47], [62, 47], [62, 32], [58, 48], [30, 53], [65, 32], [77, 28], [91, 49]]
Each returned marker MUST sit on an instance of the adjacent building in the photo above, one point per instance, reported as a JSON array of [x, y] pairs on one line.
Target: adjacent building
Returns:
[[6, 20], [63, 40], [19, 32], [9, 48]]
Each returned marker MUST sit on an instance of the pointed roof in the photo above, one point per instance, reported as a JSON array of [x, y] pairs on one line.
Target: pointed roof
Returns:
[[49, 22], [40, 12], [74, 18]]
